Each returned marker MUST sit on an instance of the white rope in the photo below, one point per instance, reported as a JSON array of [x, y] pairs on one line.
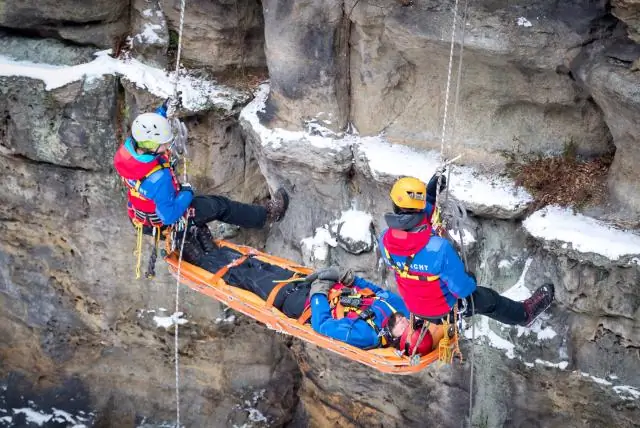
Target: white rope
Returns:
[[177, 72], [176, 354], [184, 232], [446, 99]]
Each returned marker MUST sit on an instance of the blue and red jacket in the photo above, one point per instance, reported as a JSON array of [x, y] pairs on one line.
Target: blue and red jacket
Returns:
[[154, 195], [352, 329], [435, 276]]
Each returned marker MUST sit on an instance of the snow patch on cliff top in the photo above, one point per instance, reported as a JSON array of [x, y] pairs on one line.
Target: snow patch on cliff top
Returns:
[[582, 233], [197, 93]]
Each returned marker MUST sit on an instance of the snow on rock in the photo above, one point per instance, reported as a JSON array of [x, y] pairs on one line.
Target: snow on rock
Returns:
[[467, 237], [596, 379], [493, 339], [627, 392], [523, 22], [230, 319], [198, 94], [281, 138], [148, 34], [315, 249], [582, 237], [562, 365], [517, 292], [166, 322], [376, 157], [352, 231], [482, 194], [34, 416], [57, 417], [322, 152]]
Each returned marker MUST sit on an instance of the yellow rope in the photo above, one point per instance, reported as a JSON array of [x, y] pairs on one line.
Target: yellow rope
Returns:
[[446, 349], [138, 252]]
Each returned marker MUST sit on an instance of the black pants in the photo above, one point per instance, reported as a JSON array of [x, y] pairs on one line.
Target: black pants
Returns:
[[489, 303], [260, 278], [212, 207]]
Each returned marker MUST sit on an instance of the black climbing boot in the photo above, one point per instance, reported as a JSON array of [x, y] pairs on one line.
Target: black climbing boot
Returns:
[[192, 250], [205, 239], [538, 303], [277, 206]]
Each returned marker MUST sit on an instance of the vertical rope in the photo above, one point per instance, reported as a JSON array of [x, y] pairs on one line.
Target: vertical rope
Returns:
[[184, 233], [176, 329], [178, 54], [446, 100]]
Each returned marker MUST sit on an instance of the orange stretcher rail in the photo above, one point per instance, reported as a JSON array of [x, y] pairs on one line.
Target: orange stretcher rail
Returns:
[[211, 284]]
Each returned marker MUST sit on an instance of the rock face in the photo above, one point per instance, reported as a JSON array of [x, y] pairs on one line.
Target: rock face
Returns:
[[75, 324], [306, 47], [149, 37], [512, 96], [605, 73], [73, 308], [628, 12], [99, 23], [219, 34]]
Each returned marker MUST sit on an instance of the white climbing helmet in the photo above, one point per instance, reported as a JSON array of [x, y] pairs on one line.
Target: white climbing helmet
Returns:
[[150, 130]]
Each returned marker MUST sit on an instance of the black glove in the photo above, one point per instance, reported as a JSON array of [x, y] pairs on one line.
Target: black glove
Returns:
[[321, 286], [345, 277], [186, 187], [165, 104], [433, 184]]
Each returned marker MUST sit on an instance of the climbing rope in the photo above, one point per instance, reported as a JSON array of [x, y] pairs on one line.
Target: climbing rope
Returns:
[[459, 212], [181, 136], [176, 328], [177, 71]]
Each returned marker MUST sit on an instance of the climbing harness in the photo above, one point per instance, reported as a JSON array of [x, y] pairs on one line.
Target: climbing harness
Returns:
[[404, 271]]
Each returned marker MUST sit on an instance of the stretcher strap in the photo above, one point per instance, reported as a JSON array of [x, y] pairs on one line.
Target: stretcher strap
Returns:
[[274, 293], [223, 271], [306, 314]]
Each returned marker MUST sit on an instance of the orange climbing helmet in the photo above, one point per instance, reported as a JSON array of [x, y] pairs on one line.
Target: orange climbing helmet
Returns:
[[409, 193], [423, 348]]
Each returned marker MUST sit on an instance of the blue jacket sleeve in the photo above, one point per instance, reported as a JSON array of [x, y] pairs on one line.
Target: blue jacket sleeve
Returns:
[[452, 272], [170, 205], [351, 331]]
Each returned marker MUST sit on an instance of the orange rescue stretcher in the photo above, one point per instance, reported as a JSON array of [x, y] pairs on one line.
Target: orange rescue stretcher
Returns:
[[386, 360]]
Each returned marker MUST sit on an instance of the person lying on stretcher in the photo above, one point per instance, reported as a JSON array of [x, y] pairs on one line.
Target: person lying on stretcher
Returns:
[[343, 306]]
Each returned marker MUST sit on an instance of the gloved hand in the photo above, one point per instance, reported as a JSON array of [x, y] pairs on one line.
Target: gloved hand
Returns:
[[165, 104], [433, 183], [186, 187], [321, 286], [346, 277]]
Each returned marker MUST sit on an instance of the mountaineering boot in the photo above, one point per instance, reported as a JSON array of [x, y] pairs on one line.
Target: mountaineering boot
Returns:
[[192, 251], [277, 206], [205, 239], [538, 303]]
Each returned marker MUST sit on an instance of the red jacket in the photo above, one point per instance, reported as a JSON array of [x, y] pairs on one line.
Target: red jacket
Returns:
[[133, 172], [419, 284]]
